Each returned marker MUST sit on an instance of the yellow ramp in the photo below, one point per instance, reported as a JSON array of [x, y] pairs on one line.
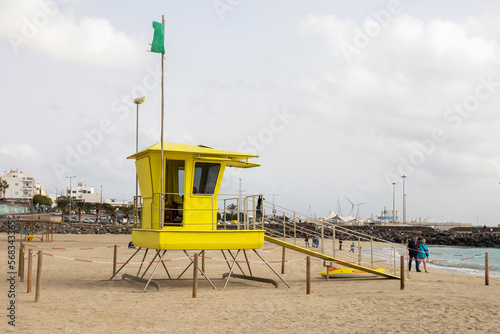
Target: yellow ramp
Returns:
[[326, 257]]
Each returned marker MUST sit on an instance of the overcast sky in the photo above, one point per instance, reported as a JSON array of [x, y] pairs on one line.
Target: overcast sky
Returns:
[[338, 98]]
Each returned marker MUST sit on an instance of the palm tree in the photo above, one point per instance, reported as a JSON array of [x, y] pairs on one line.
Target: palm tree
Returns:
[[3, 187], [80, 206], [232, 209], [88, 207], [98, 208], [127, 211], [62, 204], [110, 210]]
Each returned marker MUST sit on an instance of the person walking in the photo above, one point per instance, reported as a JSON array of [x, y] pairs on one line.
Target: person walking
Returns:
[[306, 239], [423, 253], [340, 243], [413, 253], [352, 247]]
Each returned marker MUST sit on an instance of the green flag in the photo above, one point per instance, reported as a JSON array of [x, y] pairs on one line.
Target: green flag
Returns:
[[158, 44]]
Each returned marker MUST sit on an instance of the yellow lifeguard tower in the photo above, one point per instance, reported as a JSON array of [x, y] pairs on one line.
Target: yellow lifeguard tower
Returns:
[[182, 214]]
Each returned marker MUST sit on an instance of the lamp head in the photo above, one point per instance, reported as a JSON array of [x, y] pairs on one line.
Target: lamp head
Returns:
[[140, 100]]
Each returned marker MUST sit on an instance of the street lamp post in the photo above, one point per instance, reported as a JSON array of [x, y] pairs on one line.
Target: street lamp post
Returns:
[[70, 193], [137, 101], [239, 201], [393, 200], [274, 209], [404, 200]]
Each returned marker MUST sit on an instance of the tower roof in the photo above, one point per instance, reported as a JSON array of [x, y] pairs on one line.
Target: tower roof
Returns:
[[177, 150]]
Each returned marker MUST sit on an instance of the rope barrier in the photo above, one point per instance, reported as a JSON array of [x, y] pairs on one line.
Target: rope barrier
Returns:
[[26, 256], [63, 248], [462, 259]]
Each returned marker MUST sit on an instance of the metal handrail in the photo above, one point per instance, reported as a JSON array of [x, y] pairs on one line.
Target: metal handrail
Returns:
[[288, 220]]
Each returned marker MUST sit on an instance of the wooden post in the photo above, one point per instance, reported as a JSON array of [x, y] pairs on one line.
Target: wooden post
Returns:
[[38, 276], [115, 256], [195, 276], [333, 237], [486, 269], [371, 246], [359, 250], [328, 265], [30, 270], [203, 261], [21, 258], [408, 257], [52, 232], [283, 261], [21, 262], [308, 275], [393, 251], [254, 208], [294, 230], [402, 261], [322, 239], [284, 227]]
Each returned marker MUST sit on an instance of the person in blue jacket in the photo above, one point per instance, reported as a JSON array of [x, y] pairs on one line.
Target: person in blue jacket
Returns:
[[423, 253]]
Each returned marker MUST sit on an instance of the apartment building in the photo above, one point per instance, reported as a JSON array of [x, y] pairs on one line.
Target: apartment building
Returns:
[[21, 185]]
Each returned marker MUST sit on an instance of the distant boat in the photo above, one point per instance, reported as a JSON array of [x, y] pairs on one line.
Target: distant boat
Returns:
[[335, 272]]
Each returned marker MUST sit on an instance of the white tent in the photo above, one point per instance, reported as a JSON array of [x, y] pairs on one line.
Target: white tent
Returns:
[[347, 219], [332, 215]]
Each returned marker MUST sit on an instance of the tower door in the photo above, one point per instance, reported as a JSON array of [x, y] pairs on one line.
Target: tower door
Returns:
[[200, 206]]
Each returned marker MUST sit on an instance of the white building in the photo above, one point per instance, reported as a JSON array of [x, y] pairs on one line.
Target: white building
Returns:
[[114, 202], [81, 193], [21, 185], [40, 190]]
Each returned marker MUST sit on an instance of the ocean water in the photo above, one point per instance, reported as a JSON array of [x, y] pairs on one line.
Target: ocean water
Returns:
[[464, 260], [467, 260]]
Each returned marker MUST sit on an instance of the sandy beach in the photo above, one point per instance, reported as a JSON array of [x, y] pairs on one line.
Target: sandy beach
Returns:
[[77, 297]]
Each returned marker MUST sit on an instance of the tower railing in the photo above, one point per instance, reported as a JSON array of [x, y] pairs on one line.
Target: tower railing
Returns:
[[325, 236], [253, 212]]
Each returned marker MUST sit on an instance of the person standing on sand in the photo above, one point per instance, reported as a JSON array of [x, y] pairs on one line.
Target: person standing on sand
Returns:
[[413, 253], [306, 239], [352, 247], [423, 253], [340, 243]]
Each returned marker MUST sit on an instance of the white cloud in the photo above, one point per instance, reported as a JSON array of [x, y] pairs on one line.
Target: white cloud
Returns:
[[50, 27], [411, 65], [21, 156], [395, 91]]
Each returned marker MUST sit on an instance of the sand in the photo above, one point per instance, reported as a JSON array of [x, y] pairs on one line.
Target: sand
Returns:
[[77, 297]]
